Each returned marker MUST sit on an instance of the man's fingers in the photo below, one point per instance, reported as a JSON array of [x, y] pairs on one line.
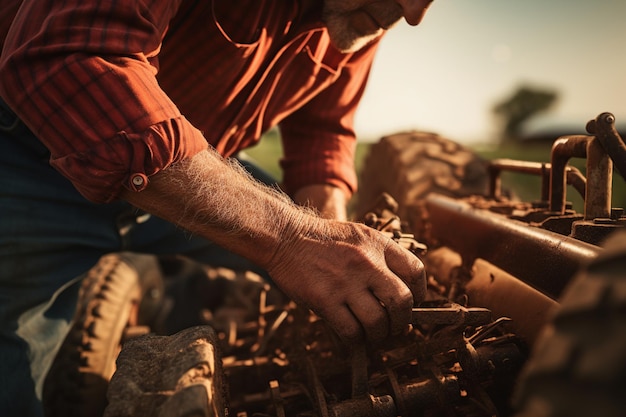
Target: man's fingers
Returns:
[[345, 324], [408, 267], [362, 316], [396, 298], [372, 315], [399, 295]]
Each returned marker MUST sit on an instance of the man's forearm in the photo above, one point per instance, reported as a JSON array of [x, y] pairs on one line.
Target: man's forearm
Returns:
[[350, 274], [217, 199]]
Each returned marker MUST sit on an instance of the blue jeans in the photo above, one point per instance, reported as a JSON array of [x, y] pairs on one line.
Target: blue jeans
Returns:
[[49, 236]]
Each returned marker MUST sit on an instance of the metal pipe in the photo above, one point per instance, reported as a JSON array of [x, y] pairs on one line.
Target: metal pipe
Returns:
[[563, 149], [493, 288], [574, 177], [543, 259], [600, 180]]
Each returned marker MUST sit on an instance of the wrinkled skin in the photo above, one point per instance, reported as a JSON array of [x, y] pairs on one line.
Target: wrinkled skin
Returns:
[[360, 281]]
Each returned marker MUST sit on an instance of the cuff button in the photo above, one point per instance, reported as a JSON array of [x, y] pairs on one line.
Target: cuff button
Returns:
[[139, 181]]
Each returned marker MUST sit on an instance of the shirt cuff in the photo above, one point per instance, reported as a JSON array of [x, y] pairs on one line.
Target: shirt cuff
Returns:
[[129, 159]]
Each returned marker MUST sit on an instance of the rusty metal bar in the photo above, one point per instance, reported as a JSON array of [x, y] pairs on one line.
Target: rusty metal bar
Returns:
[[563, 149], [543, 259], [599, 174], [603, 127], [496, 167], [456, 314], [573, 175], [360, 386], [493, 288], [600, 180]]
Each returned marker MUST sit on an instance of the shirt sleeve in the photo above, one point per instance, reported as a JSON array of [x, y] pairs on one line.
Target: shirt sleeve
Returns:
[[82, 76], [319, 141]]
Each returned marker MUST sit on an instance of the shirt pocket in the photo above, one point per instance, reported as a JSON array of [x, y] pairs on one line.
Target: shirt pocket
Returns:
[[321, 57], [313, 67], [242, 30]]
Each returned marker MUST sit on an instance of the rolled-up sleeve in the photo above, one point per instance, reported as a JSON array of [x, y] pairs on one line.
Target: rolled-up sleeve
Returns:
[[82, 77], [319, 141], [128, 159]]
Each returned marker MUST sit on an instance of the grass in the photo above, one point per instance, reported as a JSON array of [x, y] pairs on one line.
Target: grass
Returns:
[[267, 153], [526, 187]]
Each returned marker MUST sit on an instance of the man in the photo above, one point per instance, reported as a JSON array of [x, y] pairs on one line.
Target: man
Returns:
[[108, 107]]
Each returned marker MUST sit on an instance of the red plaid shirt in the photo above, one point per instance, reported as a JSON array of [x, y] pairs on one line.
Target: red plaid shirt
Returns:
[[117, 89]]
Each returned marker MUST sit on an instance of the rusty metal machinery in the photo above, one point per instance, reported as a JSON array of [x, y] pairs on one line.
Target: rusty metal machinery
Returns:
[[602, 150], [550, 241], [281, 360], [455, 361], [496, 268]]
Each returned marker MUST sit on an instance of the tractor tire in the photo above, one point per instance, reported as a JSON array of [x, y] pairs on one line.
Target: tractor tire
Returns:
[[118, 296], [409, 166], [169, 376], [578, 365]]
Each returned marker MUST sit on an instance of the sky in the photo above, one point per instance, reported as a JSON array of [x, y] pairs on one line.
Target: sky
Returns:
[[446, 74]]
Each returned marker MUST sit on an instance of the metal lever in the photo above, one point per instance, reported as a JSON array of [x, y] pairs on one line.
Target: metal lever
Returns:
[[455, 314]]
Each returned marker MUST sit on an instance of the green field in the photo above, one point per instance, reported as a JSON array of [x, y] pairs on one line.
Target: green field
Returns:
[[526, 187]]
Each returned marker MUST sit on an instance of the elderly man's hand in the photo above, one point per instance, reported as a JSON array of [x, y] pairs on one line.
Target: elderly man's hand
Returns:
[[353, 276], [360, 281]]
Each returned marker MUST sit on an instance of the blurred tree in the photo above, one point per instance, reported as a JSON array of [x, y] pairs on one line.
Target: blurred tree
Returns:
[[522, 105]]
